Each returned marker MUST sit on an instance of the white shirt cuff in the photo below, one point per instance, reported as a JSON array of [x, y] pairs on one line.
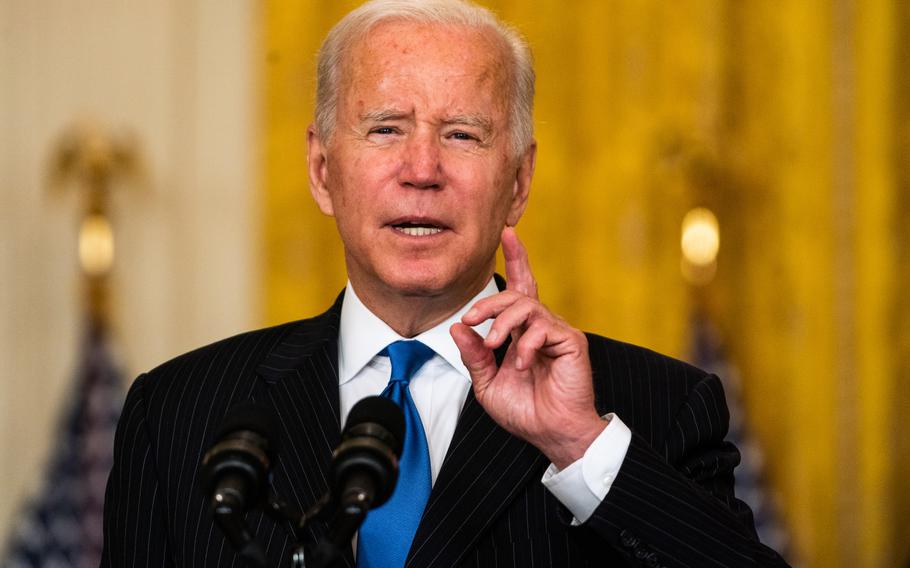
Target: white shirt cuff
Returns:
[[585, 482]]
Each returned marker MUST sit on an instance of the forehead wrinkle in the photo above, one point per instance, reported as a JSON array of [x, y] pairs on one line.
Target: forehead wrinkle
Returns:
[[365, 71], [383, 114], [492, 65]]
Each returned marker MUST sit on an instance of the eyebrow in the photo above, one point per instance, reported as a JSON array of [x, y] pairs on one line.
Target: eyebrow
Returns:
[[383, 114], [475, 120]]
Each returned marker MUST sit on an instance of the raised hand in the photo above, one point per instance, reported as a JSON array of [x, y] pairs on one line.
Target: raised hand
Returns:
[[542, 393]]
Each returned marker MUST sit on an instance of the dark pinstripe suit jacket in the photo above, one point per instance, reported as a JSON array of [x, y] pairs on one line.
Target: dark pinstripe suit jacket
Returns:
[[671, 505]]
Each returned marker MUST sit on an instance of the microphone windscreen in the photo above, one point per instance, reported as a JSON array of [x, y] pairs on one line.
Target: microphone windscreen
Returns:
[[378, 410], [252, 416]]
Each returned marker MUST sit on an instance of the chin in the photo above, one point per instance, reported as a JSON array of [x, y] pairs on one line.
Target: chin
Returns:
[[419, 286], [422, 280], [448, 280]]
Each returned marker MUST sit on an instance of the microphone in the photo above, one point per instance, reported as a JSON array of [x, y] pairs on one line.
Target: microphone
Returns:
[[365, 464], [364, 472], [235, 472]]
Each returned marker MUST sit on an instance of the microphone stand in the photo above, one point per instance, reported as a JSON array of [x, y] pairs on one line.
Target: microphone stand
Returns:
[[281, 512], [231, 523], [344, 522], [321, 556]]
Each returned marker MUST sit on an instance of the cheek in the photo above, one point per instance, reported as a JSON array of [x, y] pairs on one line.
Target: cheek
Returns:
[[362, 204], [353, 184], [497, 197]]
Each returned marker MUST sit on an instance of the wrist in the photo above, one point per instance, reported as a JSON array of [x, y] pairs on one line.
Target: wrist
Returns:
[[572, 442]]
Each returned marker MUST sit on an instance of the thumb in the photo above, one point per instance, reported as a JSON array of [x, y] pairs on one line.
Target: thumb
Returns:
[[476, 356]]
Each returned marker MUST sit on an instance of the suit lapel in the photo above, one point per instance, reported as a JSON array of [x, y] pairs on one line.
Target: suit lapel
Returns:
[[483, 471], [301, 378]]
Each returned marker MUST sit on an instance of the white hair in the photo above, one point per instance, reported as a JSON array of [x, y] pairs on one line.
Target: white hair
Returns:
[[360, 21]]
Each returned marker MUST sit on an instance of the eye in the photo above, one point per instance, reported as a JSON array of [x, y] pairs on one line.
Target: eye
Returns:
[[384, 130], [459, 135]]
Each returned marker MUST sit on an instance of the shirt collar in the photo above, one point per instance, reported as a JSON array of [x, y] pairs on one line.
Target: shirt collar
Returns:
[[363, 335]]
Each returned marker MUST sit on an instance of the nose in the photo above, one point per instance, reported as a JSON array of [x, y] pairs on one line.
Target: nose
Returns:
[[421, 166]]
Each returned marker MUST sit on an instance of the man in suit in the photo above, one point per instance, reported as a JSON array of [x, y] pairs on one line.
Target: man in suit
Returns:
[[546, 446]]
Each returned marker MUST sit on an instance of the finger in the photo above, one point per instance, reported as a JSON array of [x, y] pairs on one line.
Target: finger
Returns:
[[477, 357], [518, 270], [514, 318], [490, 306], [530, 343], [548, 338]]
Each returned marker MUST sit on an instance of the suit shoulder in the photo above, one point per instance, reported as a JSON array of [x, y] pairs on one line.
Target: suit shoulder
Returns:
[[245, 342], [224, 361], [620, 357], [232, 362], [643, 387]]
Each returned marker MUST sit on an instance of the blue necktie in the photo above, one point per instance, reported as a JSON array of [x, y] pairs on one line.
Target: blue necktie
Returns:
[[386, 534]]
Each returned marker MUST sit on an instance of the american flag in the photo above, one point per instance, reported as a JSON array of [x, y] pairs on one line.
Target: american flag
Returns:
[[709, 354], [61, 526]]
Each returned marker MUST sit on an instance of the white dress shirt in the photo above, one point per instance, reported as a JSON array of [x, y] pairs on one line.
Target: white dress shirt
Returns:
[[439, 390]]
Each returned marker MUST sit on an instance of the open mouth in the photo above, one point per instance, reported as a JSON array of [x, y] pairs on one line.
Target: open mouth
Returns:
[[417, 229]]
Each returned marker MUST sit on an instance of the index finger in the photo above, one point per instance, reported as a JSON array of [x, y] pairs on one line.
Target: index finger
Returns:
[[518, 269]]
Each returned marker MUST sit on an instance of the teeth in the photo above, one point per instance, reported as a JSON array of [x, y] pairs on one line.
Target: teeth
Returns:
[[419, 231]]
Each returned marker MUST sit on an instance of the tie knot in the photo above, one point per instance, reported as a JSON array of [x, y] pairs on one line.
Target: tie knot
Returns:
[[407, 358]]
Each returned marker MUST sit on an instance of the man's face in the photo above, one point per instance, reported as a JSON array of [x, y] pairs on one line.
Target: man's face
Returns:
[[420, 172]]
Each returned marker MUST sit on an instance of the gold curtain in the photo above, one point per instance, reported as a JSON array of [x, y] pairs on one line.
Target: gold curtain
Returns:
[[791, 120]]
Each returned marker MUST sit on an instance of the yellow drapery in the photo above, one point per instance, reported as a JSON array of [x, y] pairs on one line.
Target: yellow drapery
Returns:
[[791, 120]]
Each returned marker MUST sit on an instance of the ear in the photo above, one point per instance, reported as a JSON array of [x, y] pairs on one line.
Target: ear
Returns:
[[522, 185], [317, 166]]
